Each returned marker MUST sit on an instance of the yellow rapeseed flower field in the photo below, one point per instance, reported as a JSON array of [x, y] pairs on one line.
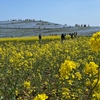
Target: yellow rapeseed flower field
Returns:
[[51, 69]]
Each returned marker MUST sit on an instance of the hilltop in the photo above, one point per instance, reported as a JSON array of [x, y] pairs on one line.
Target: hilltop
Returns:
[[28, 23], [31, 27]]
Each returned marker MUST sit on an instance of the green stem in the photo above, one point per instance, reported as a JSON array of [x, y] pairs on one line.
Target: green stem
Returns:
[[90, 94]]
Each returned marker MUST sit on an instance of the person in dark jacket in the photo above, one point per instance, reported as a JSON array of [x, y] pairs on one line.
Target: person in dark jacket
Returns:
[[62, 37], [40, 38]]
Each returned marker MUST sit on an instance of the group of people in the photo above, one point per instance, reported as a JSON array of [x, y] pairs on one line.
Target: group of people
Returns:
[[72, 35], [63, 36]]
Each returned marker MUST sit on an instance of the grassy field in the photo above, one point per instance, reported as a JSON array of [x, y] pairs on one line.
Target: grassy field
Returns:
[[49, 70]]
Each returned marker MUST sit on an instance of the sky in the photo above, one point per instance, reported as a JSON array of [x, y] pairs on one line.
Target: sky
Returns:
[[68, 12]]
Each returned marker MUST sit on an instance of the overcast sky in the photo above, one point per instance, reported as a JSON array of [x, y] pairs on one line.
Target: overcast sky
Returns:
[[68, 12]]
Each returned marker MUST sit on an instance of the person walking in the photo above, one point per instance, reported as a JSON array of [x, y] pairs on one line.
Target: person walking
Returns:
[[40, 38], [62, 37]]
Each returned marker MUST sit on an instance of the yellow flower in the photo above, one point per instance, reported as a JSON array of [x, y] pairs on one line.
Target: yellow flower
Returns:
[[66, 68], [96, 95], [11, 60], [27, 84], [91, 68], [46, 83], [95, 41], [16, 92], [88, 83], [73, 76], [41, 97], [66, 93], [94, 82], [70, 82], [78, 75]]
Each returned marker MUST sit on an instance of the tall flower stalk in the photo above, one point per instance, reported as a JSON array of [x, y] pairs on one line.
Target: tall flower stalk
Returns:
[[95, 45]]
